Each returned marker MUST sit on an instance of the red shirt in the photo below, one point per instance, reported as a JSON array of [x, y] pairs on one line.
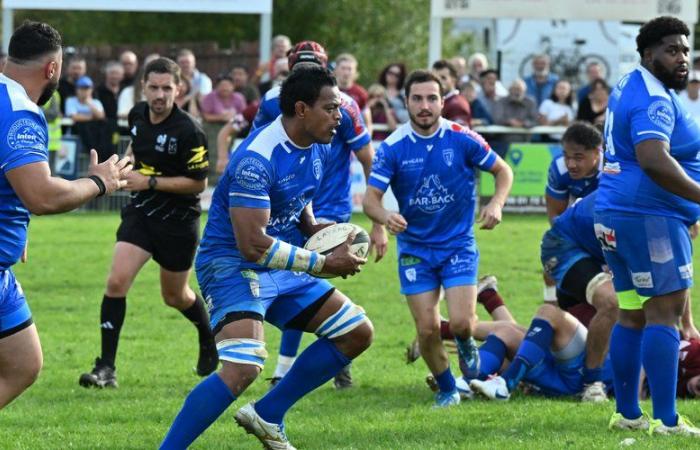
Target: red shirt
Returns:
[[457, 109], [359, 94]]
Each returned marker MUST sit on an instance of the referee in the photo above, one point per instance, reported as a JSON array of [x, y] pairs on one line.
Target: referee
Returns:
[[169, 150]]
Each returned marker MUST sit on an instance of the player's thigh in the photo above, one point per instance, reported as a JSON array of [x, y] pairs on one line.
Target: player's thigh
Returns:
[[174, 286], [425, 310], [127, 261], [20, 356], [461, 302]]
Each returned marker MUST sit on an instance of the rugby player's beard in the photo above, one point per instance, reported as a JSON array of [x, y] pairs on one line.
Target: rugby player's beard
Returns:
[[668, 78], [47, 93], [414, 121]]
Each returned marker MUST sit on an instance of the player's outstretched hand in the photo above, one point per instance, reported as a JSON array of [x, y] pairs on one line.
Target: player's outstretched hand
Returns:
[[342, 262], [113, 171], [490, 216], [378, 241], [395, 223]]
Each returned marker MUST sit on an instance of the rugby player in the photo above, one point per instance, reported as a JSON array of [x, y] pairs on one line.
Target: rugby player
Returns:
[[251, 268], [333, 201], [430, 164], [647, 197], [161, 222], [27, 187]]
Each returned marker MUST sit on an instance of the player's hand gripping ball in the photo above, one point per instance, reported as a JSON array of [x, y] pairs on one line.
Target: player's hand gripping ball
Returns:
[[326, 240]]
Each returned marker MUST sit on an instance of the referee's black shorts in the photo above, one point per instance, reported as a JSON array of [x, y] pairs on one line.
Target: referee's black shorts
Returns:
[[171, 242]]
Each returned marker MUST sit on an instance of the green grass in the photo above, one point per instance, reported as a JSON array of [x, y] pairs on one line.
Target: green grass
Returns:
[[389, 408]]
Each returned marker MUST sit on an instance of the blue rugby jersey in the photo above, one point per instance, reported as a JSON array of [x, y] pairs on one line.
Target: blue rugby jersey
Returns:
[[23, 140], [333, 200], [267, 171], [641, 108], [433, 180], [561, 186], [576, 224]]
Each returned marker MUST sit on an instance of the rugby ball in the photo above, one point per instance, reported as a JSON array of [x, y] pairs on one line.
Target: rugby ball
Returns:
[[326, 240]]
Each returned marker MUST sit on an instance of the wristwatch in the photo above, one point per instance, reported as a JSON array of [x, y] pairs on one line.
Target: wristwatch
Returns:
[[152, 182]]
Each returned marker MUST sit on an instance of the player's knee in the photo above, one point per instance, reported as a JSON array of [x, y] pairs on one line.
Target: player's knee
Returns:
[[362, 336], [462, 327], [548, 312], [175, 300], [26, 373], [428, 330], [117, 285], [243, 359]]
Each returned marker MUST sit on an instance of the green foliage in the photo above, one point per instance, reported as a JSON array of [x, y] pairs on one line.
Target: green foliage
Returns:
[[389, 408]]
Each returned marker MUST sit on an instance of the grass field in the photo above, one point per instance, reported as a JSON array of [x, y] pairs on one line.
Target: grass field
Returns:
[[389, 408]]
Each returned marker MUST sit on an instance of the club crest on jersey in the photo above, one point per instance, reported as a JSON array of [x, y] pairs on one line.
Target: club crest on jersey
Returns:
[[432, 196], [606, 237], [410, 274], [26, 133], [317, 169], [160, 142], [253, 281], [448, 156], [661, 114], [172, 146]]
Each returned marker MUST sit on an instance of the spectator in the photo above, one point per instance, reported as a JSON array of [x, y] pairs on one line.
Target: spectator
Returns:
[[108, 94], [88, 116], [266, 71], [241, 84], [541, 83], [691, 96], [381, 111], [392, 78], [66, 85], [558, 108], [52, 113], [130, 63], [184, 101], [460, 65], [594, 71], [456, 107], [281, 70], [592, 109], [3, 60], [485, 102], [223, 103], [346, 74], [476, 64], [200, 83], [131, 95], [517, 109]]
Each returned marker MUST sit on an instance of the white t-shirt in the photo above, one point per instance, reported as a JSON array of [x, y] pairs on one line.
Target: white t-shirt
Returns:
[[692, 106], [73, 106], [553, 111]]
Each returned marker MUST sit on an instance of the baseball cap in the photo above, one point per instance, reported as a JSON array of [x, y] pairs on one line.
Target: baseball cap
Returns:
[[307, 51], [84, 82]]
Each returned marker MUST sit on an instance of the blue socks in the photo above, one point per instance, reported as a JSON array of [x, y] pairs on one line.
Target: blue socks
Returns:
[[626, 358], [491, 353], [289, 344], [320, 362], [207, 401], [446, 381], [659, 352], [532, 351]]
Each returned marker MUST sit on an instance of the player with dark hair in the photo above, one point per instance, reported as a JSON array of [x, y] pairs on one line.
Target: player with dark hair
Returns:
[[169, 150], [430, 164], [251, 267], [649, 193], [333, 202], [26, 186], [456, 107]]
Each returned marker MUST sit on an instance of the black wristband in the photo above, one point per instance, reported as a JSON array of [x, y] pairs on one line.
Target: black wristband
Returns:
[[100, 184]]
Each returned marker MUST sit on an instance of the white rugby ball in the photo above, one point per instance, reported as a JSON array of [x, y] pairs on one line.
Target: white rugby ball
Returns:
[[326, 240]]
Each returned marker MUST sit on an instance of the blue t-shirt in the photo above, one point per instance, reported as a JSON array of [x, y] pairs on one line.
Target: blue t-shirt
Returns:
[[267, 171], [433, 181], [23, 140], [641, 108], [561, 186], [333, 200], [576, 225]]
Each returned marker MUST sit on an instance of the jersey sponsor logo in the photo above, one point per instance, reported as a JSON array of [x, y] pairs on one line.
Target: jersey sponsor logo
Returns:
[[26, 133], [606, 237], [317, 169], [410, 274], [161, 140], [199, 153], [251, 174], [412, 164], [448, 156], [642, 280], [288, 214], [612, 168], [147, 170], [686, 271], [432, 196], [408, 260], [661, 114]]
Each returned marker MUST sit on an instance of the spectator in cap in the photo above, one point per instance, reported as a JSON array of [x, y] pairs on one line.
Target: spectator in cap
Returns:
[[691, 96], [88, 115]]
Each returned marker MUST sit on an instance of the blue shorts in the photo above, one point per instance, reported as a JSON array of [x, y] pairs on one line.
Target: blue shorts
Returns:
[[558, 255], [426, 269], [556, 378], [14, 311], [277, 295], [651, 255]]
